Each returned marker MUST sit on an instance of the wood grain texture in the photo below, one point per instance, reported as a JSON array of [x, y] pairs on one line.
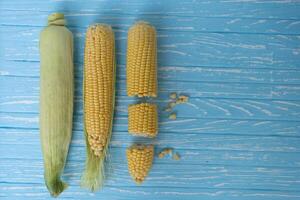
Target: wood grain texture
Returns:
[[185, 48], [239, 135]]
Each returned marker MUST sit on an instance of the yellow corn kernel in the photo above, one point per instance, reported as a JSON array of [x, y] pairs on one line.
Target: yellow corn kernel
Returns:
[[173, 116], [142, 120], [99, 95], [139, 158], [142, 61], [173, 95], [164, 152], [176, 156], [171, 104], [182, 99]]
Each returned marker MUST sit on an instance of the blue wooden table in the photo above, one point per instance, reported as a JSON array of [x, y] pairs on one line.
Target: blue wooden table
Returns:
[[239, 135]]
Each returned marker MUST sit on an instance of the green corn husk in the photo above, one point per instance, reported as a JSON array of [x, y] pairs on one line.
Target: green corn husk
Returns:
[[56, 99]]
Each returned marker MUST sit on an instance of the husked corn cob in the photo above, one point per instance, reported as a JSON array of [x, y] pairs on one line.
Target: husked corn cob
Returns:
[[56, 99], [142, 120], [99, 94], [99, 84], [142, 61], [139, 158]]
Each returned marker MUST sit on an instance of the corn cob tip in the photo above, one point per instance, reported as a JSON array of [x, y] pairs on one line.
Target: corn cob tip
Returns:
[[142, 23], [55, 186], [56, 19], [139, 158], [141, 147], [101, 26]]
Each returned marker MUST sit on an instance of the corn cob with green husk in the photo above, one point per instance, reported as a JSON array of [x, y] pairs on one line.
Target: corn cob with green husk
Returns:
[[56, 99], [139, 158], [99, 95]]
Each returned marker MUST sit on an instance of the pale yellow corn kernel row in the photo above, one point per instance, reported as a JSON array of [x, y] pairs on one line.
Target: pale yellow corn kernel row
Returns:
[[99, 75], [142, 61], [139, 158], [142, 120]]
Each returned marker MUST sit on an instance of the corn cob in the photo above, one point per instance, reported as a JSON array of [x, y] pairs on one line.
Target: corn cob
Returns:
[[142, 120], [56, 99], [141, 61], [139, 158], [99, 95]]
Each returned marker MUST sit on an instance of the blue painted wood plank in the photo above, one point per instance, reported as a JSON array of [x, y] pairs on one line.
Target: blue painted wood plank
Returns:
[[205, 108], [131, 193], [238, 61], [214, 104], [279, 9], [193, 89], [188, 141], [184, 125], [217, 177], [166, 23], [179, 49], [258, 175], [176, 73], [259, 159]]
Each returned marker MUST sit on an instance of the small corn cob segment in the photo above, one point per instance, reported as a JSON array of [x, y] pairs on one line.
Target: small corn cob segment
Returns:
[[139, 158], [99, 97], [142, 61], [142, 120], [56, 99]]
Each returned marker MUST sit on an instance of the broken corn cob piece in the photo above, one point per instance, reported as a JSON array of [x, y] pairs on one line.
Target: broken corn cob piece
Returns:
[[139, 158], [56, 99], [142, 61], [99, 97], [142, 120]]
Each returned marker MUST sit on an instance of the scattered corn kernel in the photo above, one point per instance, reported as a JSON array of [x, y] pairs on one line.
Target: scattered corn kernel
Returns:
[[164, 152], [176, 156], [182, 99], [173, 95], [171, 104], [168, 109], [139, 158], [173, 116]]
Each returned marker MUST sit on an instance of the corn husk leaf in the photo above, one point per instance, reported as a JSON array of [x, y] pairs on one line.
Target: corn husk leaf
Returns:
[[56, 99]]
